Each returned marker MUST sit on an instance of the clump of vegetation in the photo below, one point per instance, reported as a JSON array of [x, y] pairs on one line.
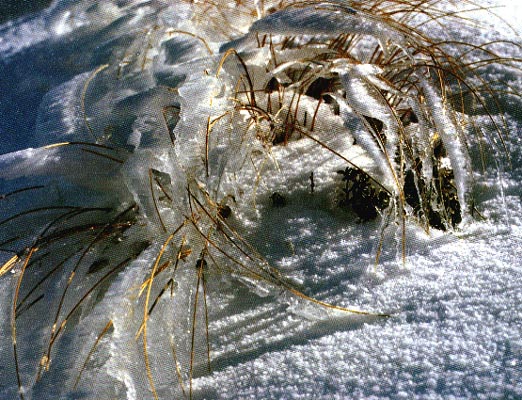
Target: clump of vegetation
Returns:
[[443, 211], [361, 195]]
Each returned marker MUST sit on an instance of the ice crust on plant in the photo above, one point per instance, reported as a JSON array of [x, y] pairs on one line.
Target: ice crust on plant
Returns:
[[186, 118], [365, 90]]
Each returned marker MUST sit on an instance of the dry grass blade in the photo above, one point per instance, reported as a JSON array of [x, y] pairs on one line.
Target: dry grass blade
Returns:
[[56, 329], [91, 351], [8, 265], [155, 202], [173, 31], [200, 265], [6, 195], [228, 53], [84, 93], [83, 298], [13, 320], [104, 156], [178, 369], [146, 308]]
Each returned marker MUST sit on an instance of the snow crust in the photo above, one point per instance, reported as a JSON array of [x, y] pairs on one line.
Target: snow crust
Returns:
[[454, 328]]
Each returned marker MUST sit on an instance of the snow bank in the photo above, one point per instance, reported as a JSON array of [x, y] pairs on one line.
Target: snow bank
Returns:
[[199, 152]]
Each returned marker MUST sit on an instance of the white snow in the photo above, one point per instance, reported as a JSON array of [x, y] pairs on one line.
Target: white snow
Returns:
[[454, 329]]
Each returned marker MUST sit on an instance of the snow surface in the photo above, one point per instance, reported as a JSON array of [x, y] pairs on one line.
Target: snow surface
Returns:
[[455, 324]]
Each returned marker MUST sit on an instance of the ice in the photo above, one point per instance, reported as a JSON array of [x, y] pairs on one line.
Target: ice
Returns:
[[61, 116]]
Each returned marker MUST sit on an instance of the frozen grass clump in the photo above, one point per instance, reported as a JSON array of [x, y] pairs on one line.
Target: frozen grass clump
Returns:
[[157, 165]]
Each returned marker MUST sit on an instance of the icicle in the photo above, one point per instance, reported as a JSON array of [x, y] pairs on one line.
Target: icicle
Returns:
[[449, 132]]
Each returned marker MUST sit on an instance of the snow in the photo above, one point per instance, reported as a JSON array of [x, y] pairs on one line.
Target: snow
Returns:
[[453, 328]]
